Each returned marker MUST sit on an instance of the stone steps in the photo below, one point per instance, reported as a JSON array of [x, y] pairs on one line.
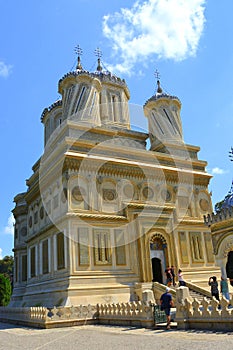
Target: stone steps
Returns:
[[197, 295]]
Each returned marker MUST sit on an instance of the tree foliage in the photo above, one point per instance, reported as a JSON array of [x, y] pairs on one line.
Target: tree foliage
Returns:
[[6, 265], [5, 290]]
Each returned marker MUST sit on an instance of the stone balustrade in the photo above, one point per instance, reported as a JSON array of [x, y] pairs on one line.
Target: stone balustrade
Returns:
[[24, 315], [138, 313], [207, 314], [135, 313]]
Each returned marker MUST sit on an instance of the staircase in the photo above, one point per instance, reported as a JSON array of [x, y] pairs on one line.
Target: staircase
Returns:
[[198, 292], [195, 291], [197, 295]]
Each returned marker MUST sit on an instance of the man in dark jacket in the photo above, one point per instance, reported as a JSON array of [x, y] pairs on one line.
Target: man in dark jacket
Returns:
[[166, 304]]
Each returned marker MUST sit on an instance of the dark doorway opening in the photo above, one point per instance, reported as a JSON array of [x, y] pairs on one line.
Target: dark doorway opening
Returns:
[[157, 270], [229, 267]]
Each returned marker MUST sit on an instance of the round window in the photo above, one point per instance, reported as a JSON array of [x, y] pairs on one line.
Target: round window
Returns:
[[78, 193], [204, 204], [147, 192], [166, 195], [23, 231]]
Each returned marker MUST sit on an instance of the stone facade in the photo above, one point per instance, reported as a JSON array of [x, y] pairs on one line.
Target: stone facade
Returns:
[[221, 225], [105, 211]]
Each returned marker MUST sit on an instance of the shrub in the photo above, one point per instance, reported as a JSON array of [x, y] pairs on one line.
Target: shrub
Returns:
[[5, 290]]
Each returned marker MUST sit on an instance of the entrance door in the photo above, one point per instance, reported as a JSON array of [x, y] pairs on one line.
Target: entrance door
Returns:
[[229, 267], [157, 270]]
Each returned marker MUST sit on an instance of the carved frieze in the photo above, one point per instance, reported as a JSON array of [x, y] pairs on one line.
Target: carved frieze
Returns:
[[109, 194]]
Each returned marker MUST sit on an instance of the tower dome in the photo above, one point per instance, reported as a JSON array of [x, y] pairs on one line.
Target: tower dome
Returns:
[[228, 200], [95, 99], [164, 122]]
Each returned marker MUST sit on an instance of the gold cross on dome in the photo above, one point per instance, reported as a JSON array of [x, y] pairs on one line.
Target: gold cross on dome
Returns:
[[157, 74], [78, 50], [98, 52]]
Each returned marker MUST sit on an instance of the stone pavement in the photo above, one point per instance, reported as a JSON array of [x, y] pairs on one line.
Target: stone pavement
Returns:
[[14, 337]]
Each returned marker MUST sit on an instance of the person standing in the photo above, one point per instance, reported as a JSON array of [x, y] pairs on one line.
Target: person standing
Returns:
[[173, 275], [224, 288], [214, 287], [181, 279], [168, 276], [166, 305]]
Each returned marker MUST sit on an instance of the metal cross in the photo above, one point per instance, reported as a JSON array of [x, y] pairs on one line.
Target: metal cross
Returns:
[[157, 74], [98, 52], [78, 50]]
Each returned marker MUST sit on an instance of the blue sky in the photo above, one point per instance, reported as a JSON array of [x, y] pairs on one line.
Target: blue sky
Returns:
[[189, 42]]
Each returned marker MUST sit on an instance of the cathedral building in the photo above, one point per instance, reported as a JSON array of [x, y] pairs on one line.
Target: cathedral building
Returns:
[[108, 208], [221, 225]]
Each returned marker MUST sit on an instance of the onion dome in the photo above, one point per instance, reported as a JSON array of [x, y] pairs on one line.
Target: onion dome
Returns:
[[228, 200], [93, 99], [160, 94], [164, 123]]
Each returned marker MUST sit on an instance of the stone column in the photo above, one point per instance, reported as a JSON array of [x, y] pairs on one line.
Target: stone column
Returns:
[[221, 262], [104, 112], [182, 319]]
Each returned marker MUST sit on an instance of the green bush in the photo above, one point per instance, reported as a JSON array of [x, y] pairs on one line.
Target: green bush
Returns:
[[6, 265], [5, 290]]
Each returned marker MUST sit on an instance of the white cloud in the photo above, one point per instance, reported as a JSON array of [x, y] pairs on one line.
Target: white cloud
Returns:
[[1, 253], [167, 29], [5, 69], [219, 171], [9, 229]]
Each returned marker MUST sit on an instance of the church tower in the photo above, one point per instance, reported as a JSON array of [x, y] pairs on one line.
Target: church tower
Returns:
[[93, 99], [164, 122]]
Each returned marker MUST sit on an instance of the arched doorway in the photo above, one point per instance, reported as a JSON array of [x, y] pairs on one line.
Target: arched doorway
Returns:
[[157, 270], [159, 258], [229, 267]]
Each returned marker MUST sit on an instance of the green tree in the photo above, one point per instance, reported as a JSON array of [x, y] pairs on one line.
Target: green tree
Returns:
[[5, 290], [6, 265]]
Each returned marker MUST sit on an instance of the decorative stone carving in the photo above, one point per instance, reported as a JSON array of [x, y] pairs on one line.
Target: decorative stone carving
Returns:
[[23, 231], [228, 247], [41, 213], [128, 191], [78, 193], [166, 195], [204, 204], [99, 179], [196, 190], [148, 192], [109, 194], [156, 236]]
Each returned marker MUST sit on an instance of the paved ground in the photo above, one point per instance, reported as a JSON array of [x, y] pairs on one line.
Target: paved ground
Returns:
[[112, 338]]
